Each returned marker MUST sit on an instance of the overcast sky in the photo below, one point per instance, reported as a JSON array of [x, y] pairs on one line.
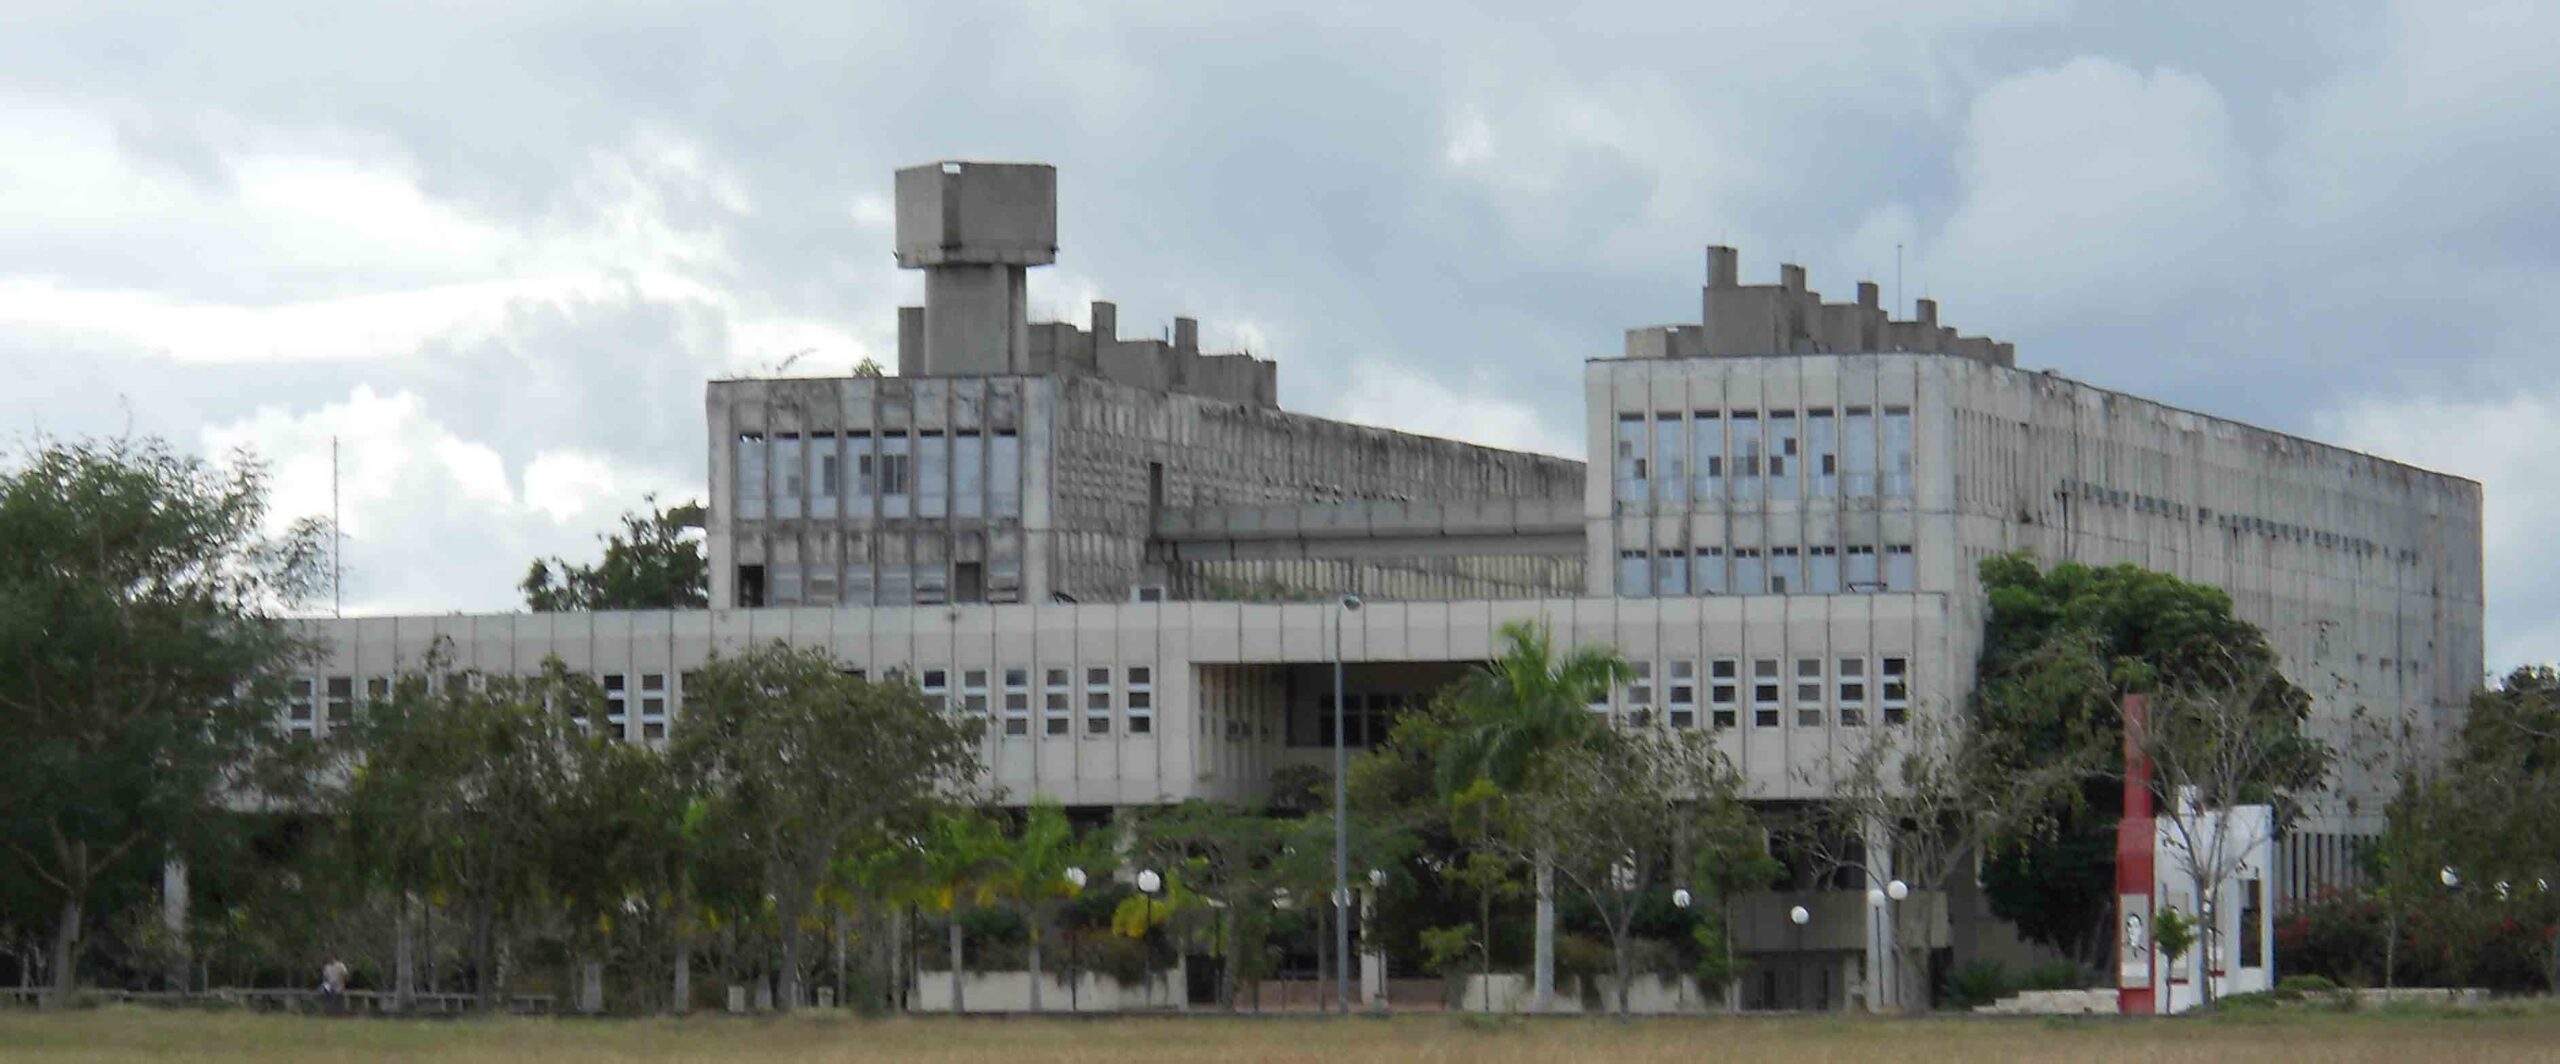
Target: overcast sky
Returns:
[[498, 254]]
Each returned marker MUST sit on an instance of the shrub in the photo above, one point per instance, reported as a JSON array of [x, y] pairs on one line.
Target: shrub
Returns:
[[2058, 975], [1976, 983], [2307, 984]]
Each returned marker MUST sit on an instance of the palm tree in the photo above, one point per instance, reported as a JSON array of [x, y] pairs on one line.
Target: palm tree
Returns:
[[1031, 869], [1515, 710], [962, 866]]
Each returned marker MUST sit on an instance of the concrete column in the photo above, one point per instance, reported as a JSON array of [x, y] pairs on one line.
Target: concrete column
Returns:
[[1884, 980], [1724, 266], [174, 900], [1373, 959], [590, 986]]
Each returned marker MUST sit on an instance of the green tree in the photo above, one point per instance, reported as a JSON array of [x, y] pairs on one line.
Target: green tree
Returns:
[[1032, 872], [2491, 811], [1525, 705], [1231, 857], [142, 666], [963, 865], [654, 563], [2061, 647], [803, 765]]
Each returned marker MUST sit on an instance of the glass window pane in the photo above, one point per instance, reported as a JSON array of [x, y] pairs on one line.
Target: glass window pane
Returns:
[[1671, 460], [1707, 445]]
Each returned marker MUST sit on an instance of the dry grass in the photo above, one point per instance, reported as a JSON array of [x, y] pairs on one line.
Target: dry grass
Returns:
[[141, 1034]]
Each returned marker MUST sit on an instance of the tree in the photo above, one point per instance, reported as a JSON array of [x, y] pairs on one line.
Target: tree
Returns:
[[2212, 752], [1233, 859], [803, 763], [462, 789], [1032, 872], [962, 865], [1917, 800], [1523, 706], [142, 664], [1618, 818], [655, 563], [2061, 647]]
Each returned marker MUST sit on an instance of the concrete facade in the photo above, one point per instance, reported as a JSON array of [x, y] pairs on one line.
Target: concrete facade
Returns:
[[1126, 558]]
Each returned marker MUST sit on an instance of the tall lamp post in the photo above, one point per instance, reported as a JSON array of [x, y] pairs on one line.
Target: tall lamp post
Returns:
[[1799, 916], [1148, 884], [1075, 948], [1341, 825], [1680, 900]]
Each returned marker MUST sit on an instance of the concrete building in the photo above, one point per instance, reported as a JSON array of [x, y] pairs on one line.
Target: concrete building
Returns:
[[1126, 557]]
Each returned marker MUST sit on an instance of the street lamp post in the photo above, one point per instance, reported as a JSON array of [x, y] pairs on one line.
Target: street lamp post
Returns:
[[1368, 912], [1799, 916], [1680, 899], [1894, 893], [1341, 825], [1075, 949], [1148, 884]]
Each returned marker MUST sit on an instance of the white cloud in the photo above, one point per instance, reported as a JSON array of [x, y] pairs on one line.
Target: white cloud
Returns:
[[1403, 398]]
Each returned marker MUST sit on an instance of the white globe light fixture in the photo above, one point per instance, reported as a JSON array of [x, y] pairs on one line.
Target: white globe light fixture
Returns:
[[1075, 878], [1377, 877], [1897, 890], [1680, 897], [1150, 882], [2449, 877], [1798, 916], [1875, 897]]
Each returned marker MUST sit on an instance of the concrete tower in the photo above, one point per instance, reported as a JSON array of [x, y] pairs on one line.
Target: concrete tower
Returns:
[[973, 228]]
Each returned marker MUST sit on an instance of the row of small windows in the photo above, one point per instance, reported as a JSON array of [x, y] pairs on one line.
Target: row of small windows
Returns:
[[1112, 699], [1818, 570], [1821, 692], [932, 583], [1668, 461], [926, 473], [2235, 523]]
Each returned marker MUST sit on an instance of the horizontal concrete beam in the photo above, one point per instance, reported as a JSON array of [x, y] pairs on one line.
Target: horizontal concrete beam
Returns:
[[1371, 548]]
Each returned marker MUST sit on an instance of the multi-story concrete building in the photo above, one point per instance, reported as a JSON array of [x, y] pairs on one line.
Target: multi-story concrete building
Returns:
[[1129, 560]]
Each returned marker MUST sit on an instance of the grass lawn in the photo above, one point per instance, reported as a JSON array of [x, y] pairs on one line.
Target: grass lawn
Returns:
[[126, 1033]]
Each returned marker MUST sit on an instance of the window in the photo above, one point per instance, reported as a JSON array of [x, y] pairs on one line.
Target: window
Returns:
[[1822, 454], [1017, 701], [377, 689], [1635, 577], [1640, 692], [936, 685], [298, 712], [933, 474], [1896, 695], [1056, 706], [1858, 571], [830, 479], [1670, 455], [1142, 700], [1004, 474], [1097, 701], [2253, 900], [1746, 456], [973, 692], [1764, 692], [653, 705], [1707, 449], [1671, 572], [1749, 576], [1900, 572], [865, 468], [1724, 691], [1783, 448], [894, 472], [751, 487], [1786, 571], [1809, 684], [790, 475], [617, 705], [1682, 707], [1852, 692], [782, 584], [968, 474], [1858, 453], [1706, 570], [342, 701], [1630, 458], [1897, 452], [1822, 570], [1599, 699]]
